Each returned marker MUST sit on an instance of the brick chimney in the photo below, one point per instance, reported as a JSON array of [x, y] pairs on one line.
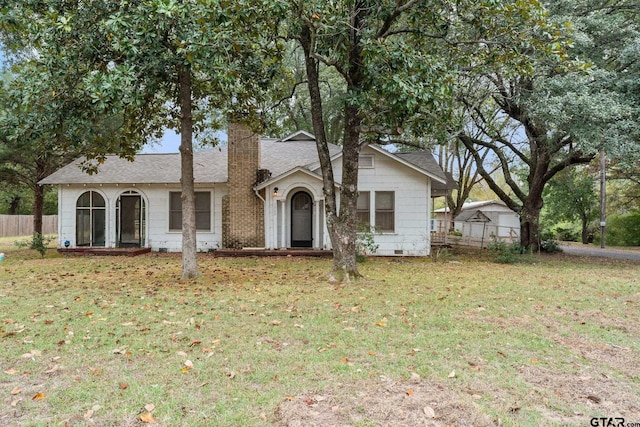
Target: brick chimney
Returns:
[[242, 210]]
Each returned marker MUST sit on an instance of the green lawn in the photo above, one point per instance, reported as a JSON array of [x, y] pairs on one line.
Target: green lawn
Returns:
[[111, 341]]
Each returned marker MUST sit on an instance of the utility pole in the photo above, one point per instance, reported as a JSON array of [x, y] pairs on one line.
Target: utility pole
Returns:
[[603, 193]]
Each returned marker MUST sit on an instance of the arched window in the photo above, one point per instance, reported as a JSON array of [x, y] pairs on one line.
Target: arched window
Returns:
[[90, 219]]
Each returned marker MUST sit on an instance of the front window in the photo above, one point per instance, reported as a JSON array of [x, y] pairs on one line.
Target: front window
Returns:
[[364, 209], [90, 219], [203, 211], [385, 211]]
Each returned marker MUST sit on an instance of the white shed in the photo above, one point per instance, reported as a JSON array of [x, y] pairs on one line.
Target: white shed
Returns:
[[478, 221]]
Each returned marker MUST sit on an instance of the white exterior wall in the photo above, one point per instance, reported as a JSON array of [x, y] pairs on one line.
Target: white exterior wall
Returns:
[[412, 189], [277, 212], [504, 223], [156, 197]]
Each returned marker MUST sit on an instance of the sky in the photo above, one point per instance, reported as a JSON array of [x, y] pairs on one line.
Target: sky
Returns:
[[169, 143]]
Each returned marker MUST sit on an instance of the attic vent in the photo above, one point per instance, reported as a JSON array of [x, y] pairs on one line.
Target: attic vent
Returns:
[[365, 161], [398, 252]]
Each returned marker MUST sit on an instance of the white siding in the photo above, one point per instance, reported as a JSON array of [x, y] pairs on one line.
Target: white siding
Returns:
[[157, 215], [412, 191], [278, 210]]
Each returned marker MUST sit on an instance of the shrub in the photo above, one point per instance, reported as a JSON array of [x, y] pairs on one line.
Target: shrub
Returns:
[[503, 252], [550, 246], [624, 230], [37, 242], [365, 243]]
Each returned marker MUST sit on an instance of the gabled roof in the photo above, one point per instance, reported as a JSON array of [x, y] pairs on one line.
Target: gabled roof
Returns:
[[210, 166], [472, 215], [482, 204], [299, 136], [277, 178], [424, 160]]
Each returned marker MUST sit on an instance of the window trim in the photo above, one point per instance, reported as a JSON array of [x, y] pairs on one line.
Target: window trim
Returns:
[[362, 211], [171, 211], [392, 211]]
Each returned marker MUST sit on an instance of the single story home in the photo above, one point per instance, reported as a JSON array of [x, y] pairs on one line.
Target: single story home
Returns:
[[250, 193]]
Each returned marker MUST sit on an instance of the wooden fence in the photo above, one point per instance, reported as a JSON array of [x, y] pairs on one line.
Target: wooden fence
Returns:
[[22, 225]]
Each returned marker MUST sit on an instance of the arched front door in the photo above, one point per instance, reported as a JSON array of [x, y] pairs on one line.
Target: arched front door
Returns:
[[301, 220]]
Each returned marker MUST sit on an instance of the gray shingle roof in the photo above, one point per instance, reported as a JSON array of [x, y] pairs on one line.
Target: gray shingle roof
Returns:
[[209, 166], [424, 160]]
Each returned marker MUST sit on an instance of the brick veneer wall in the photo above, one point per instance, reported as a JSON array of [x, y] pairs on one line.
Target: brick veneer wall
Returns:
[[243, 211]]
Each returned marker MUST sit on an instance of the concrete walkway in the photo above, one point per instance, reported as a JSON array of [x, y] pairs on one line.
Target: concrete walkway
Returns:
[[594, 251]]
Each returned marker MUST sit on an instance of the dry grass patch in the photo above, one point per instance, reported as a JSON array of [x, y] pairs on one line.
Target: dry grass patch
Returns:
[[252, 342]]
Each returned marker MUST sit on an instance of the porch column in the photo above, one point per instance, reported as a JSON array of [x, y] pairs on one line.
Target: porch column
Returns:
[[283, 223], [316, 224]]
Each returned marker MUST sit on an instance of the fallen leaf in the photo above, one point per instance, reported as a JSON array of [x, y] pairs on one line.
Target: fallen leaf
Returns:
[[149, 407], [231, 375], [12, 372], [147, 417], [181, 353], [452, 374], [55, 368], [310, 401], [382, 324], [594, 399], [533, 360], [429, 412], [409, 392], [194, 343], [14, 403], [275, 322], [123, 386], [188, 364], [16, 390], [38, 396]]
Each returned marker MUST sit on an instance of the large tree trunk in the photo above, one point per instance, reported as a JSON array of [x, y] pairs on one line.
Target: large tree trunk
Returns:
[[344, 242], [189, 249], [38, 208], [585, 228], [38, 198], [529, 227], [342, 227]]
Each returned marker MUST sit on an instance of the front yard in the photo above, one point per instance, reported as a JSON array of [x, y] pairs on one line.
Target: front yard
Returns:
[[106, 341]]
